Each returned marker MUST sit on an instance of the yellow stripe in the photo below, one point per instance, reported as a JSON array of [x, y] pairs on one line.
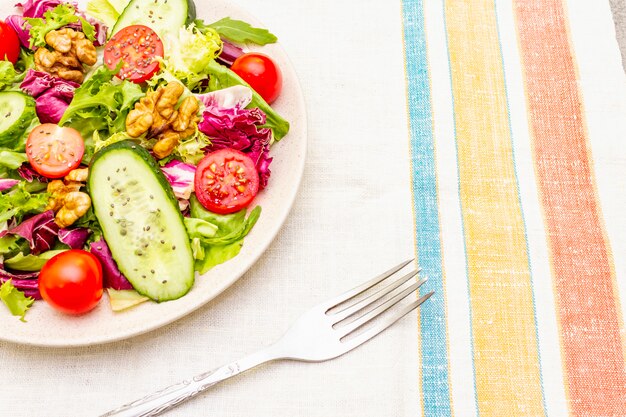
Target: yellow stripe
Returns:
[[506, 359]]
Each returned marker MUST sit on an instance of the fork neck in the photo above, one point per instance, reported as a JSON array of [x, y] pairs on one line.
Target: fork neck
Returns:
[[268, 354]]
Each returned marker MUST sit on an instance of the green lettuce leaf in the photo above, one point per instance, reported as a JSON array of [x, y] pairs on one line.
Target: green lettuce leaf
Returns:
[[25, 62], [222, 77], [15, 300], [101, 105], [11, 159], [8, 244], [124, 299], [54, 19], [239, 31], [8, 75], [30, 262], [217, 238], [104, 11], [19, 202]]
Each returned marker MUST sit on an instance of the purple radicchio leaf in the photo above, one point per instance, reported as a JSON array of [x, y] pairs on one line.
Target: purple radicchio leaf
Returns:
[[29, 174], [74, 238], [7, 183], [229, 54], [181, 177], [23, 281], [239, 128], [20, 27], [37, 8], [113, 278], [52, 95], [40, 231]]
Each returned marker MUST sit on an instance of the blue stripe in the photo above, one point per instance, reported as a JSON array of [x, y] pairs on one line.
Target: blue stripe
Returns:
[[433, 335]]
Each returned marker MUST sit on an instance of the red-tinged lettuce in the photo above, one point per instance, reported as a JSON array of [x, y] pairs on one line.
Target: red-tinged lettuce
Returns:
[[228, 124], [7, 183], [180, 176], [113, 278], [229, 54], [40, 231], [28, 278], [52, 95], [227, 98], [22, 281], [29, 174], [74, 238]]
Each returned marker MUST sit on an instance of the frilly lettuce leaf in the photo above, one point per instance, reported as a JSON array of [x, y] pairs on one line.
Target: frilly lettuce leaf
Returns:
[[19, 202], [188, 54], [15, 300], [54, 19], [101, 104]]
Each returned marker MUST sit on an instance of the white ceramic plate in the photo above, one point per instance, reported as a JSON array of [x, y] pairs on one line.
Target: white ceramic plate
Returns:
[[46, 327]]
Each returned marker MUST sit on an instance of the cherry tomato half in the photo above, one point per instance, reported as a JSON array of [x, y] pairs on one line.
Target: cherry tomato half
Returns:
[[9, 43], [226, 181], [53, 151], [138, 47], [71, 281], [261, 73]]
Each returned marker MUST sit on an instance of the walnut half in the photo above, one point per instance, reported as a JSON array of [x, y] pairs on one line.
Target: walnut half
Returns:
[[156, 114], [66, 199], [70, 51]]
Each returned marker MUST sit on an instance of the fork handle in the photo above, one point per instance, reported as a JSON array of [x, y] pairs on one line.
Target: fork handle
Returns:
[[168, 398]]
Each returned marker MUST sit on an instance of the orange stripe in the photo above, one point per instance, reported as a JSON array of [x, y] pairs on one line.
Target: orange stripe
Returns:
[[586, 297]]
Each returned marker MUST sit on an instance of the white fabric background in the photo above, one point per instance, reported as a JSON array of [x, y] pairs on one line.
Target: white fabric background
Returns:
[[352, 219]]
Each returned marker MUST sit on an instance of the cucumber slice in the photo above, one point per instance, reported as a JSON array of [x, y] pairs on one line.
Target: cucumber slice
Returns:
[[141, 221], [163, 16], [17, 112]]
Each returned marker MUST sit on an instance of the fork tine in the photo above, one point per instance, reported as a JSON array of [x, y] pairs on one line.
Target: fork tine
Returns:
[[373, 298], [334, 302], [370, 333], [370, 315]]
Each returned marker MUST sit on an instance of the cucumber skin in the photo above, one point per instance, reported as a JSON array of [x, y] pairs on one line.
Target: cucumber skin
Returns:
[[15, 138], [191, 16], [191, 11], [145, 155], [167, 188]]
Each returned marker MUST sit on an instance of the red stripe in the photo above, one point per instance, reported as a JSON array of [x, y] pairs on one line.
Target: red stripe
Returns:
[[582, 266]]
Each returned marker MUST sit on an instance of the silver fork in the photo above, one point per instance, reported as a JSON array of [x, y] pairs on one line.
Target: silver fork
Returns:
[[325, 332]]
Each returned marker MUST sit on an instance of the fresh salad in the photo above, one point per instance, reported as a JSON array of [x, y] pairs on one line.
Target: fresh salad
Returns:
[[134, 139]]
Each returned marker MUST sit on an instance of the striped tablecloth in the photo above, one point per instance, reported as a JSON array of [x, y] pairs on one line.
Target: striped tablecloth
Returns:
[[518, 144]]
